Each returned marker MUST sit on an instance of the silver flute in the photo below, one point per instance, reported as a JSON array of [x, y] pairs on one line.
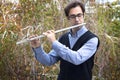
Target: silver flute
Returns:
[[41, 36]]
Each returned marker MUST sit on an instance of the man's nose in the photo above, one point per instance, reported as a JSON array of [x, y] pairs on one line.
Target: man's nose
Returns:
[[77, 18]]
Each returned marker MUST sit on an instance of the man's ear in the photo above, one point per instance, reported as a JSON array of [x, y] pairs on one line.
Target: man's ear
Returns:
[[68, 18], [84, 15]]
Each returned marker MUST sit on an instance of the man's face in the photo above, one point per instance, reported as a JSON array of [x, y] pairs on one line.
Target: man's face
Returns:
[[76, 16]]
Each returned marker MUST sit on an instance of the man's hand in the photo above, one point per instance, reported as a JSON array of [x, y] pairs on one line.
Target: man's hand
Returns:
[[34, 43], [50, 35]]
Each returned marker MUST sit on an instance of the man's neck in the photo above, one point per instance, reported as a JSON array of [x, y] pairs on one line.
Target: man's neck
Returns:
[[74, 30]]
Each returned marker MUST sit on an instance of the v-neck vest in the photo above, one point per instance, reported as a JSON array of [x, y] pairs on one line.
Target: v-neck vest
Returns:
[[69, 71]]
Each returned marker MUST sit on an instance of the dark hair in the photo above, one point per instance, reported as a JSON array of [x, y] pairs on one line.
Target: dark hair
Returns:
[[74, 4]]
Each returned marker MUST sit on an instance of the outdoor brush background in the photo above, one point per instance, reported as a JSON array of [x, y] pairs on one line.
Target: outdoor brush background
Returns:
[[17, 21]]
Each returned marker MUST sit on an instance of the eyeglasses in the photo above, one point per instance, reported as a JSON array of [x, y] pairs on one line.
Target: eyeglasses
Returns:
[[74, 16]]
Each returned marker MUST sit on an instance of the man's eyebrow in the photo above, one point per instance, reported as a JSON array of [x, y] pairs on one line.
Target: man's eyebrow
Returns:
[[75, 14]]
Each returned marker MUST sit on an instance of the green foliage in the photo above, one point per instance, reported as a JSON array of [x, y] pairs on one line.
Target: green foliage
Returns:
[[107, 60], [17, 61], [115, 28]]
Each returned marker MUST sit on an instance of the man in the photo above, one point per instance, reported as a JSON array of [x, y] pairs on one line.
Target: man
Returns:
[[75, 49]]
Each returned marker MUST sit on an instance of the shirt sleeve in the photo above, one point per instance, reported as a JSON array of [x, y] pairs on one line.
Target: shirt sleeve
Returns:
[[79, 56], [45, 58]]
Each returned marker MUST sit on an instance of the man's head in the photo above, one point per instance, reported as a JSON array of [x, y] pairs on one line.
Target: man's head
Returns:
[[74, 4], [75, 13]]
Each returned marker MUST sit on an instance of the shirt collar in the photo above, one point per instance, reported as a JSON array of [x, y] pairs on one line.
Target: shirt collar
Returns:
[[80, 32]]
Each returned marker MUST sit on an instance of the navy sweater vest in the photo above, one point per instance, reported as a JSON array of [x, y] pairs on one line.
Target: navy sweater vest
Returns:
[[69, 71]]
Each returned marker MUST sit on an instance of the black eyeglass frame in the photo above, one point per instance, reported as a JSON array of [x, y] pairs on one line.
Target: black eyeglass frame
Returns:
[[73, 16]]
